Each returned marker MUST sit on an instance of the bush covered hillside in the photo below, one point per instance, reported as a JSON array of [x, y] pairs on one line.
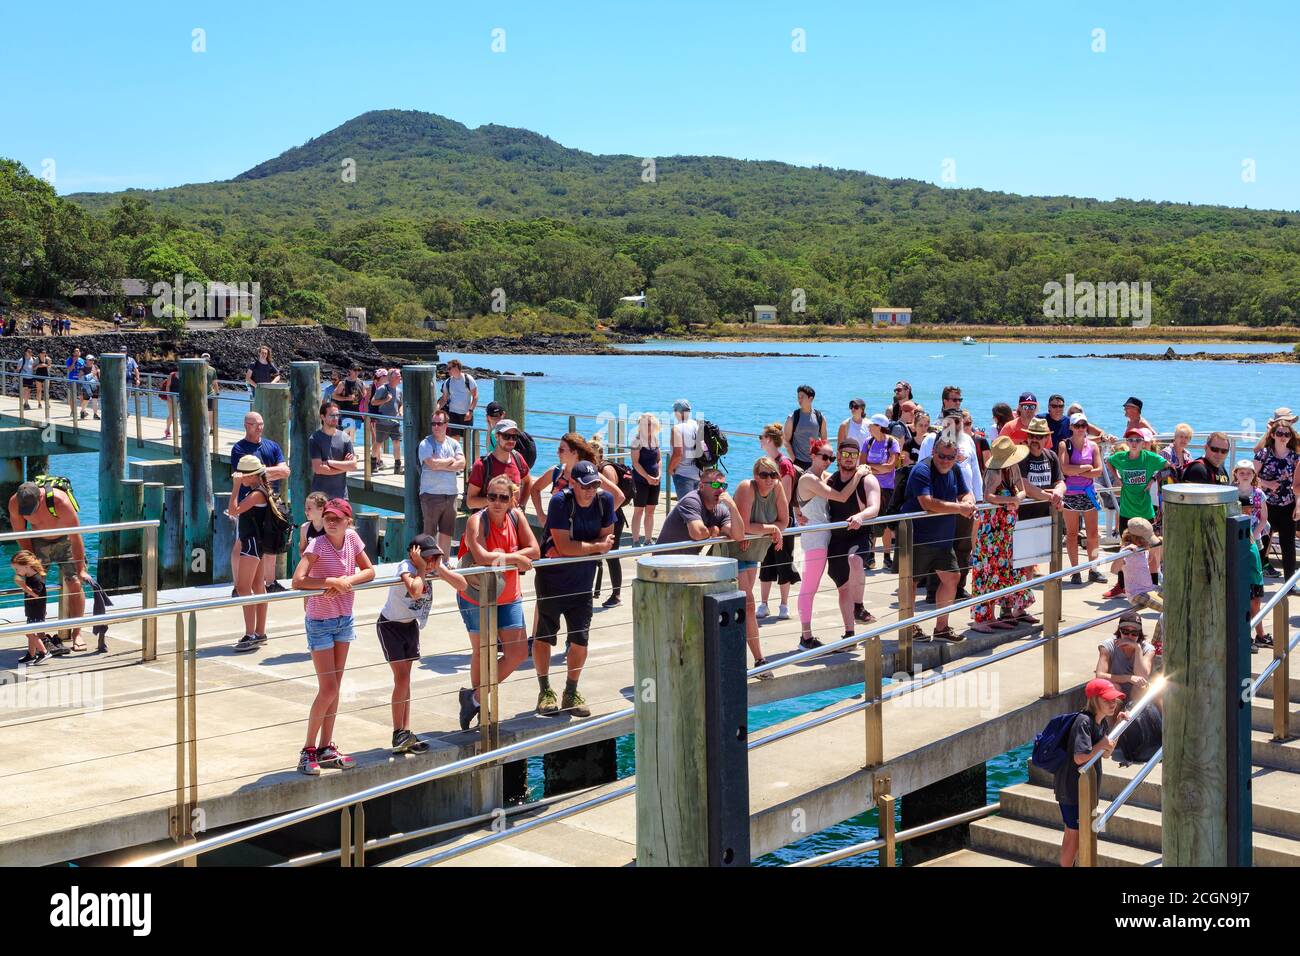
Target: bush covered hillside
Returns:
[[411, 214]]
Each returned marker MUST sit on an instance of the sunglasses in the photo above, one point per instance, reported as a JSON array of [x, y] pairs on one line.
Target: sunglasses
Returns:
[[826, 457], [439, 422], [1282, 432], [850, 454], [1221, 451], [1130, 631], [509, 438], [717, 485], [946, 457], [1080, 425], [1055, 404], [497, 496], [767, 476]]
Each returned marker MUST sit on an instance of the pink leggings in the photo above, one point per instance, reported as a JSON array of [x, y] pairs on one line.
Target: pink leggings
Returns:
[[814, 564]]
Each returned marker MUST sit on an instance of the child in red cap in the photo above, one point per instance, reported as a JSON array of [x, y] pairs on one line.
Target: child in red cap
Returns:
[[1086, 737]]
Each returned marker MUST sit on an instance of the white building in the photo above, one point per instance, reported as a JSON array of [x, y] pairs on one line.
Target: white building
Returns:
[[889, 315], [765, 314]]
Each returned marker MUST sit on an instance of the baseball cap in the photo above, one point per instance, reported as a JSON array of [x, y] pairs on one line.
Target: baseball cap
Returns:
[[1135, 402], [340, 507], [879, 419], [427, 544], [1143, 433], [584, 473], [494, 409], [1078, 418], [1246, 463], [681, 405], [29, 497], [1100, 687], [1028, 398], [505, 425], [380, 371]]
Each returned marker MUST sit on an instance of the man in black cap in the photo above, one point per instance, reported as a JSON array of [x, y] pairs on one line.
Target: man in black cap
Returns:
[[495, 412], [1018, 428], [44, 507], [1133, 415]]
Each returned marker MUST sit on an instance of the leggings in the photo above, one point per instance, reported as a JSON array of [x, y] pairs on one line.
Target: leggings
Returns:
[[814, 564], [615, 569], [1282, 520]]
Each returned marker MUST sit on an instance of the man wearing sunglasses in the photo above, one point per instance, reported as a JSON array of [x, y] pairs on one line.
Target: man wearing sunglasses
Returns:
[[706, 512], [503, 460], [332, 456], [1210, 469], [1018, 427], [937, 487], [848, 547], [953, 428], [441, 460]]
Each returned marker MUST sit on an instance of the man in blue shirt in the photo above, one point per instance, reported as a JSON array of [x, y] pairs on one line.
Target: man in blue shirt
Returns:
[[277, 469], [938, 488], [579, 522]]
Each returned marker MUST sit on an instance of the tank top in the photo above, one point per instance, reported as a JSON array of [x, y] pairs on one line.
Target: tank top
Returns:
[[806, 428], [313, 531], [763, 511], [843, 510], [647, 458], [504, 538], [1075, 484], [879, 452], [34, 607], [814, 509], [857, 431]]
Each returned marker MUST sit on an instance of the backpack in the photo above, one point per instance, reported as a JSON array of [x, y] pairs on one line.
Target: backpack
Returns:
[[276, 526], [49, 484], [798, 413], [624, 474], [472, 580], [899, 430], [487, 460], [712, 445], [527, 448], [1051, 745]]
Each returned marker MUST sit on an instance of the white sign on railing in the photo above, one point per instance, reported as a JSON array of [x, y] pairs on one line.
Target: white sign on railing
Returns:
[[1032, 542]]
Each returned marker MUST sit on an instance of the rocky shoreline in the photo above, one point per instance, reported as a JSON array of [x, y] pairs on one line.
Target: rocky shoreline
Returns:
[[1169, 355]]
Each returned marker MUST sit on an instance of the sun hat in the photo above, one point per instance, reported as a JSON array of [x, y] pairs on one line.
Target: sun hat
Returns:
[[1135, 402], [1100, 687], [1038, 426], [1283, 414], [1004, 452], [1141, 529], [340, 507], [250, 465]]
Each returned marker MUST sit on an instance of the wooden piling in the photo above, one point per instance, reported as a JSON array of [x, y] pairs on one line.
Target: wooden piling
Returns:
[[272, 403], [37, 465], [11, 476], [129, 562], [395, 539], [417, 411], [672, 818], [304, 418], [112, 465], [196, 465], [508, 390], [172, 555], [366, 525], [223, 538], [1199, 779]]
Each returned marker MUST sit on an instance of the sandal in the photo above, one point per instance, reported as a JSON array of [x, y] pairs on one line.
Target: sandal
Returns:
[[78, 645], [1024, 619], [1003, 624], [985, 627]]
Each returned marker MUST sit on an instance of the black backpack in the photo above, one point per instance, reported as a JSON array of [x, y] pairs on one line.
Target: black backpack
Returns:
[[276, 526], [624, 478], [712, 446], [527, 447]]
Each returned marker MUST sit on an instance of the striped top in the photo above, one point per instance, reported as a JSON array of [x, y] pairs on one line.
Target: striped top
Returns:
[[331, 563]]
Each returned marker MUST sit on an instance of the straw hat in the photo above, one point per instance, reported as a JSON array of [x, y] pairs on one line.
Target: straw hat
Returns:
[[1282, 414], [250, 465], [1039, 427], [1005, 452]]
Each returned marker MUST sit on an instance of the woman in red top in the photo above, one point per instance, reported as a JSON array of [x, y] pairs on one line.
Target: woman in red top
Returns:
[[498, 536]]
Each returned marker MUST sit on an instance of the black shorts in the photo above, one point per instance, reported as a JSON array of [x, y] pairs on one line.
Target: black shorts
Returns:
[[34, 610], [250, 547], [457, 421], [778, 566], [385, 430], [644, 495], [576, 609], [842, 544], [29, 383], [400, 640], [928, 558]]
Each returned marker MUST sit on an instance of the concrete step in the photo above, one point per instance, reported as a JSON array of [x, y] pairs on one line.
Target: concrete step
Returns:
[[1266, 752], [1262, 660], [1040, 845], [1261, 715], [972, 858]]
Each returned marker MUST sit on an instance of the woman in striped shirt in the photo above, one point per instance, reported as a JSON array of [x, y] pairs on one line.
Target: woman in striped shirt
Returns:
[[334, 562]]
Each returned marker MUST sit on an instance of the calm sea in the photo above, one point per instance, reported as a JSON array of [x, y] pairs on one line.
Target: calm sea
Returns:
[[744, 393]]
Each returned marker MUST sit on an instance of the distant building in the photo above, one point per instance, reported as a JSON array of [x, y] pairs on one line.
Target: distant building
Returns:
[[888, 315], [84, 296], [356, 317], [765, 314], [636, 300], [434, 324]]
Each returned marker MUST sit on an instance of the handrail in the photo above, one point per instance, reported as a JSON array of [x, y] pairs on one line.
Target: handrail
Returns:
[[902, 836], [1154, 690], [1275, 599], [82, 529], [1099, 824]]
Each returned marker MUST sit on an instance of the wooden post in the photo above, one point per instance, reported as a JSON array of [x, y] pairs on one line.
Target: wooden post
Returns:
[[223, 538], [417, 415], [11, 476], [1087, 807], [885, 817], [1200, 778], [672, 813], [112, 464], [873, 688], [172, 558], [366, 524], [508, 391], [395, 538], [131, 543], [151, 567], [1282, 674], [1052, 614], [196, 470], [906, 596], [304, 418], [272, 403]]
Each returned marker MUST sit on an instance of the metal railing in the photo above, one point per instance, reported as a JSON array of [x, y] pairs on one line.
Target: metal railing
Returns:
[[1279, 669]]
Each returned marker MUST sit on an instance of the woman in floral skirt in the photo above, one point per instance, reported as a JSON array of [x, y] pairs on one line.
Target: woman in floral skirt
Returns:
[[991, 559]]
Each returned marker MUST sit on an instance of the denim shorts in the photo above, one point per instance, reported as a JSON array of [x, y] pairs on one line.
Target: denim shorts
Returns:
[[509, 616], [745, 565], [324, 634], [684, 486]]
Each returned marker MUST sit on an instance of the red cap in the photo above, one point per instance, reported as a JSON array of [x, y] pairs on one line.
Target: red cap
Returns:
[[340, 507], [1100, 687]]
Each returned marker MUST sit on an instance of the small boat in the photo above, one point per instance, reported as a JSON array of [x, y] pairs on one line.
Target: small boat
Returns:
[[968, 341]]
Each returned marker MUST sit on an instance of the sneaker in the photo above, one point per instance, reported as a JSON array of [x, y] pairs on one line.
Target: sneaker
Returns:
[[766, 675], [1116, 591], [1096, 577], [468, 709], [96, 416], [329, 756], [397, 468], [762, 612], [40, 658], [919, 636], [808, 643], [783, 613], [1076, 579], [547, 702], [234, 592], [889, 565], [613, 600], [403, 741], [418, 746], [871, 560], [961, 595], [1271, 572], [307, 762], [26, 658], [57, 648], [246, 643], [575, 703], [947, 634], [261, 639], [275, 587], [83, 416]]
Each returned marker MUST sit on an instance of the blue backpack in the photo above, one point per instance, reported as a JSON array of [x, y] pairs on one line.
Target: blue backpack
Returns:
[[1051, 745]]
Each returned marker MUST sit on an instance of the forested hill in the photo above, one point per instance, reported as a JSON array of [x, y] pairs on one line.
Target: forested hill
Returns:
[[413, 214]]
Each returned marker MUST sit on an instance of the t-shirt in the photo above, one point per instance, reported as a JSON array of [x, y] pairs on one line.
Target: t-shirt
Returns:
[[687, 435], [400, 606], [263, 372], [1121, 664], [332, 563], [690, 507], [74, 367], [1016, 431], [1137, 574], [458, 391], [267, 451], [1134, 476], [1060, 428], [925, 479], [131, 368], [516, 468], [383, 401], [1043, 472], [877, 453], [438, 482], [584, 524], [1199, 472], [1083, 736], [334, 447]]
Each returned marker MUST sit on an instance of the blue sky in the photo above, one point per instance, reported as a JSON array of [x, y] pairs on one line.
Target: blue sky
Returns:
[[1011, 92]]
